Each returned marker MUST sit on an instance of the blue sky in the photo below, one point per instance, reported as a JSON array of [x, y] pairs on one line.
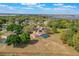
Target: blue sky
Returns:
[[40, 8]]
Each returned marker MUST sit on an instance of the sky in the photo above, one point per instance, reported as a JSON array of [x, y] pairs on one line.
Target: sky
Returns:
[[40, 8]]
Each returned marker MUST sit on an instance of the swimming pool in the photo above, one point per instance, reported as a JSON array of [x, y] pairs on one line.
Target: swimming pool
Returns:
[[45, 35]]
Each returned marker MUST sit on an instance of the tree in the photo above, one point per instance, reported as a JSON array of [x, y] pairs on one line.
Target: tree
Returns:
[[67, 37], [76, 41], [2, 22], [62, 23], [74, 26], [13, 39], [16, 40], [25, 38], [53, 25], [14, 27]]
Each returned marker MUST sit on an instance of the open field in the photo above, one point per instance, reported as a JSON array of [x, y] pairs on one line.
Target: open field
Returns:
[[50, 46]]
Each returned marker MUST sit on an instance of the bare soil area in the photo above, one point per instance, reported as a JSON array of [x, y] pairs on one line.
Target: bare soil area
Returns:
[[51, 46]]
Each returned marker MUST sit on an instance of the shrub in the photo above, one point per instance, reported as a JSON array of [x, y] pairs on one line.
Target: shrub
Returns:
[[63, 37], [54, 26], [49, 31], [25, 38], [54, 29], [28, 28], [13, 39], [14, 27], [16, 40], [67, 37], [76, 41], [74, 27]]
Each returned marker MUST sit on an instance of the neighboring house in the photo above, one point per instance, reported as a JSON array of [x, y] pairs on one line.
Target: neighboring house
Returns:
[[5, 35], [4, 26], [17, 21], [46, 22], [25, 22], [31, 22]]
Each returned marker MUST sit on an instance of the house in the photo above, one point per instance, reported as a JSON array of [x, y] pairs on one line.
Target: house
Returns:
[[4, 26], [6, 34], [25, 22], [46, 22], [17, 21]]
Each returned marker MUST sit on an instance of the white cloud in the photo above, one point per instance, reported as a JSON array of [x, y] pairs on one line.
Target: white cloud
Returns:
[[27, 8], [63, 8], [38, 8], [2, 6], [58, 4], [69, 6], [59, 9], [63, 5], [11, 8], [29, 4], [33, 5]]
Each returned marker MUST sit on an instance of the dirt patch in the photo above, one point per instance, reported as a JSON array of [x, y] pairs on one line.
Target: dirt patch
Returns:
[[51, 46]]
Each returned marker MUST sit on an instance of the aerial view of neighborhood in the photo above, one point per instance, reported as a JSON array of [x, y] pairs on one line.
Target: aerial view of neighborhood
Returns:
[[39, 29]]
